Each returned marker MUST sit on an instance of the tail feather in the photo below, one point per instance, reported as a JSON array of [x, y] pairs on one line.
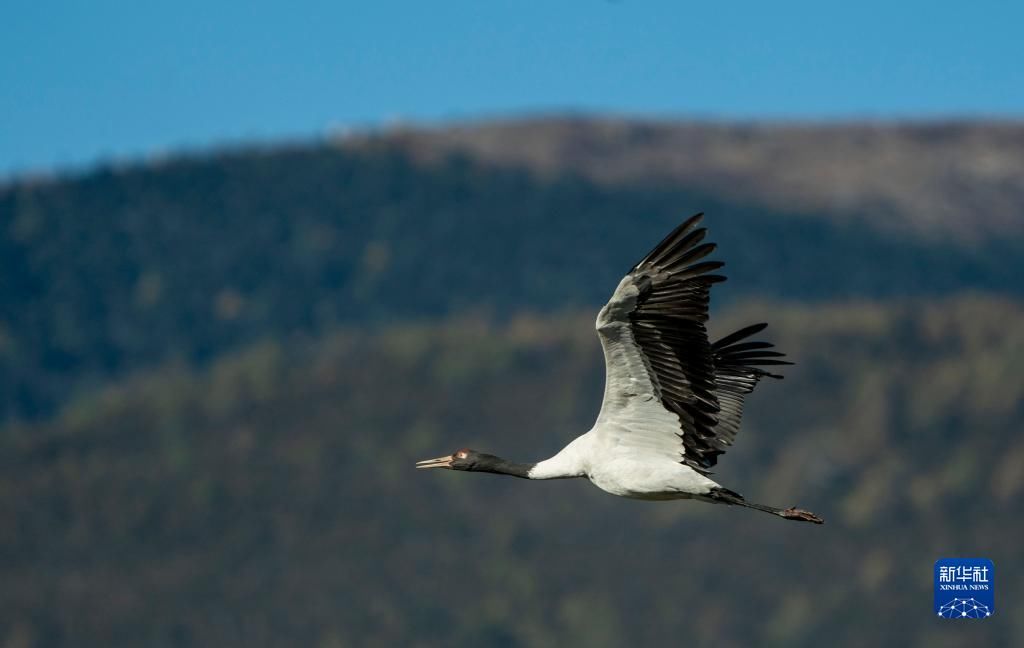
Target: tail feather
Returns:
[[726, 496]]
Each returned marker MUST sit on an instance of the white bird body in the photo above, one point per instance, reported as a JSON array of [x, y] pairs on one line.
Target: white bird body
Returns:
[[672, 400], [633, 449], [615, 466]]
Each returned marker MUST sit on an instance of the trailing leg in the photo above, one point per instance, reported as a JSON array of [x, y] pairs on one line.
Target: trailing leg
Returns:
[[726, 496]]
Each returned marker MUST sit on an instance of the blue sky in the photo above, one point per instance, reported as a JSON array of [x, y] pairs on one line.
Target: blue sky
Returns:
[[88, 81]]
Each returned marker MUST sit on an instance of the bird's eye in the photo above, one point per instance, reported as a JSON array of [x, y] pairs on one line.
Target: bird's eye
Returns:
[[460, 455]]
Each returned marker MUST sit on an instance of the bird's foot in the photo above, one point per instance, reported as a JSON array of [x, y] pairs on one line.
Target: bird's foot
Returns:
[[800, 514]]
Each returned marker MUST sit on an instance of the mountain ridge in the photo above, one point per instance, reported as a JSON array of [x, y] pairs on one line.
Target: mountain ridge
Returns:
[[927, 179]]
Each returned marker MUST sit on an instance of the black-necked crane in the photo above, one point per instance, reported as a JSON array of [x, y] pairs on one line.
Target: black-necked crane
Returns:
[[672, 399]]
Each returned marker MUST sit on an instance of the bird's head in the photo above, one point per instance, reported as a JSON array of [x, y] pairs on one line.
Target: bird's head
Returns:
[[471, 460], [464, 459]]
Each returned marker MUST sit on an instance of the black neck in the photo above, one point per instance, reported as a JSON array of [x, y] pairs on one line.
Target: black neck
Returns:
[[499, 466]]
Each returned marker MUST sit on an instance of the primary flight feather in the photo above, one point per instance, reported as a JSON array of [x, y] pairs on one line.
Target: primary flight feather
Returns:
[[672, 399]]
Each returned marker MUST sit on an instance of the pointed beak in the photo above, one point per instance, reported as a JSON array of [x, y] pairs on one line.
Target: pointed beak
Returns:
[[440, 462]]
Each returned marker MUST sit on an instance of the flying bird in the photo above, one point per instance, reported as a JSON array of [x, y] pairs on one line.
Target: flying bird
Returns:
[[673, 400]]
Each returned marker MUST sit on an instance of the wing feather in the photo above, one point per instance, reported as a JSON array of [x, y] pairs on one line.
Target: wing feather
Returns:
[[737, 371], [668, 389], [657, 348]]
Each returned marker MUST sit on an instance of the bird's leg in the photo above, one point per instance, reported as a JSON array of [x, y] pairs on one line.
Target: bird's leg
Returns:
[[726, 496]]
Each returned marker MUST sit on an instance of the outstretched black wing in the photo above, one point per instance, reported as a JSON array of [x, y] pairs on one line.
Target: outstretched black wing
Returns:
[[656, 347], [738, 368]]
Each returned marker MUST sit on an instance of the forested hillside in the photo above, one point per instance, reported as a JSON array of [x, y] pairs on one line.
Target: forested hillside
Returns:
[[271, 499], [124, 268], [217, 371]]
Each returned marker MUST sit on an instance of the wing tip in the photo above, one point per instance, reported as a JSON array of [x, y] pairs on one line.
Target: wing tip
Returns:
[[673, 237]]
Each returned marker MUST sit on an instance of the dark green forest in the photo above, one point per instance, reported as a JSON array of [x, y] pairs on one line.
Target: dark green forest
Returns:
[[216, 374], [122, 268]]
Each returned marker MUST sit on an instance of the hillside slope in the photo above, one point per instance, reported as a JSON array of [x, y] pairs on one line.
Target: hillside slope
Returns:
[[272, 498], [125, 268]]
